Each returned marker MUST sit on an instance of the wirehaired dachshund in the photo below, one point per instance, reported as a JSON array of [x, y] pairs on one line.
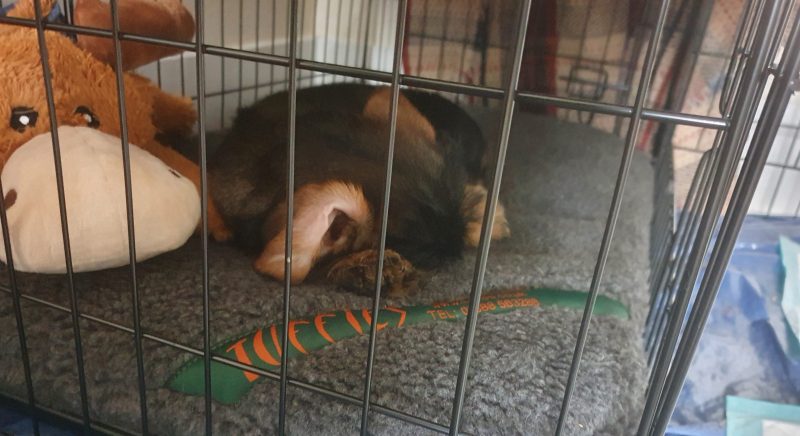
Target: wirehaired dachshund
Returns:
[[438, 193]]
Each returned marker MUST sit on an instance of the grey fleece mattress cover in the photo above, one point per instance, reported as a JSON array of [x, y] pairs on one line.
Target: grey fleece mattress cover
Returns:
[[557, 190]]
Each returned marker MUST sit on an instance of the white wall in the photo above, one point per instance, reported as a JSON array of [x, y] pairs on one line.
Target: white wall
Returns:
[[331, 31]]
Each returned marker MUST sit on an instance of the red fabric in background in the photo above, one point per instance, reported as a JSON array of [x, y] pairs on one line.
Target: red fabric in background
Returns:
[[538, 72]]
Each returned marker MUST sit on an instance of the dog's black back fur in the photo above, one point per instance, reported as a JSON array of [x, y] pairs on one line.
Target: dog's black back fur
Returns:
[[335, 142]]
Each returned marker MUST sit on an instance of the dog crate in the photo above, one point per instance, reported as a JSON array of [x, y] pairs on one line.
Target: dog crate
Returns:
[[695, 92]]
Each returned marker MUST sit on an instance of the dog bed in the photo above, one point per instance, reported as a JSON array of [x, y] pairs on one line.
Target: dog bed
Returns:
[[557, 190]]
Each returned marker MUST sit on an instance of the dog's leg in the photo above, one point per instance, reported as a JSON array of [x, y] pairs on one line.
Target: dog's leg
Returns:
[[357, 273], [473, 207]]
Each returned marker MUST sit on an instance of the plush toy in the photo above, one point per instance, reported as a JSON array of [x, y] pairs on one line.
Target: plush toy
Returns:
[[164, 183], [261, 348], [166, 19]]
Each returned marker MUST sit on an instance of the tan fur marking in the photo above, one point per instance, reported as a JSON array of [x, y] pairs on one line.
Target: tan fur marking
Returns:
[[409, 121], [473, 207], [316, 207]]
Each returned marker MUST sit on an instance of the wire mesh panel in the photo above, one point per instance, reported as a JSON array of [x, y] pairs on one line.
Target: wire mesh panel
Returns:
[[624, 67]]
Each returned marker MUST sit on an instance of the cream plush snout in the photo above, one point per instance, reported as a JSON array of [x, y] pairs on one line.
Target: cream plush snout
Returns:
[[166, 205]]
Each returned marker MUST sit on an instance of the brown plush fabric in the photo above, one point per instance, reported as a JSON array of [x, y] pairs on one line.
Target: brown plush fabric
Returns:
[[167, 19], [81, 81]]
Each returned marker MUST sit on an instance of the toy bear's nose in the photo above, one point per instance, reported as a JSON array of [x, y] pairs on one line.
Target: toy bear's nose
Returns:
[[10, 198], [166, 208]]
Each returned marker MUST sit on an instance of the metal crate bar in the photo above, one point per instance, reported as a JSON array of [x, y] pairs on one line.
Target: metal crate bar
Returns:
[[384, 217], [126, 159], [272, 44], [663, 211], [732, 146], [222, 62], [488, 219], [691, 49], [671, 282], [241, 40], [73, 295], [348, 46], [463, 57], [620, 110], [741, 48], [287, 266], [430, 425], [15, 299], [443, 41], [30, 400], [201, 127], [338, 29], [682, 295], [367, 20], [257, 47], [782, 89], [325, 32], [666, 285], [382, 15], [661, 257], [69, 10], [616, 204]]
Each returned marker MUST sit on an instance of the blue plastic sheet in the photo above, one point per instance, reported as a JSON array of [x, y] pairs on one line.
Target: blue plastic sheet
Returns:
[[761, 418], [790, 301], [747, 349]]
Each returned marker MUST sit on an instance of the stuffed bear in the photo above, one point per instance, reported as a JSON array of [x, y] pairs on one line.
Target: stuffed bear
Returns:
[[165, 184]]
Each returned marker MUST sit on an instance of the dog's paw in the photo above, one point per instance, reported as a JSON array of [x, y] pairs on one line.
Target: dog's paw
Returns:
[[221, 234], [218, 233], [472, 209], [357, 273]]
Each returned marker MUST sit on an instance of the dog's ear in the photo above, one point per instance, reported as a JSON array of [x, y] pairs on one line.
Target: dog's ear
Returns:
[[328, 219], [410, 121]]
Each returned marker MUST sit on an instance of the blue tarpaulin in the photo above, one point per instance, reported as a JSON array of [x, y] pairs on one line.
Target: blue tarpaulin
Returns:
[[747, 349]]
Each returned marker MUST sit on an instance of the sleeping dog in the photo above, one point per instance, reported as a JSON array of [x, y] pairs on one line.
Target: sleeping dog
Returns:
[[438, 194]]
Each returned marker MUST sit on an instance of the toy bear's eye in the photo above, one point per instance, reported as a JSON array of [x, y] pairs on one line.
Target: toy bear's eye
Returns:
[[88, 116], [22, 118]]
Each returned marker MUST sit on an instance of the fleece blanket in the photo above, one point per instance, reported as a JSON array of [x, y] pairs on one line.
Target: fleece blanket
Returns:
[[557, 190]]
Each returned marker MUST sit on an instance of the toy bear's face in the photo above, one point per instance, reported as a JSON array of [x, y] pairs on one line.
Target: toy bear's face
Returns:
[[166, 203], [84, 91]]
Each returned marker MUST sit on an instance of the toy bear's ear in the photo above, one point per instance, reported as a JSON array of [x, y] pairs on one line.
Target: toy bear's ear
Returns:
[[171, 115], [24, 9], [166, 19]]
